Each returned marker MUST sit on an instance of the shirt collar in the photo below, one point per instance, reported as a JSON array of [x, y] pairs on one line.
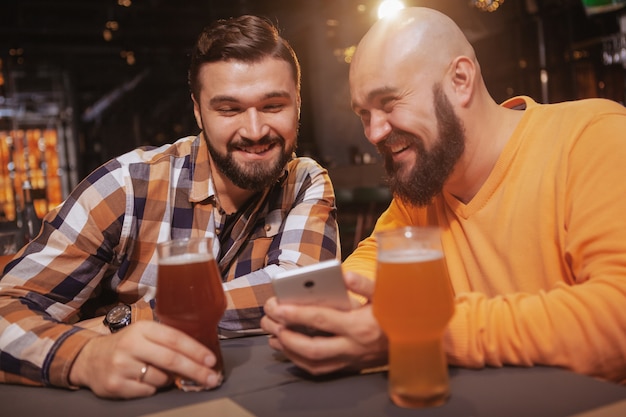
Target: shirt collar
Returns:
[[200, 171]]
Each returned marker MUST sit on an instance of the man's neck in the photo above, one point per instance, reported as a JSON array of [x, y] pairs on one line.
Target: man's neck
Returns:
[[230, 198], [485, 141]]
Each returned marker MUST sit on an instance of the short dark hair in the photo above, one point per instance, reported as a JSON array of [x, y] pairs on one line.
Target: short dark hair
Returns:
[[246, 38]]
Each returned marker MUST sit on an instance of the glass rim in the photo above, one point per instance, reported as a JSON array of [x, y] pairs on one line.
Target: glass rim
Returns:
[[409, 231], [184, 240]]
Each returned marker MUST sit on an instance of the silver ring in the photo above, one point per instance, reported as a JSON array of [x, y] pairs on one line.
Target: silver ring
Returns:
[[143, 372]]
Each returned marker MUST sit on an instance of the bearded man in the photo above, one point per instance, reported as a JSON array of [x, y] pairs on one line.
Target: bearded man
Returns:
[[237, 181], [529, 198]]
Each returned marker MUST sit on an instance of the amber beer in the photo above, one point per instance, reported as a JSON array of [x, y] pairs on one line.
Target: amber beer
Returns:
[[190, 296], [413, 302]]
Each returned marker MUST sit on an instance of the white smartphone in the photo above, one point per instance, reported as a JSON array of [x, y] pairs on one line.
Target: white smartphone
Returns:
[[319, 284]]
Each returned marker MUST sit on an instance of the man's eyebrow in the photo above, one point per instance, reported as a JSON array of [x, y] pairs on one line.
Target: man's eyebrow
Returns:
[[222, 99], [278, 94], [374, 94], [231, 99]]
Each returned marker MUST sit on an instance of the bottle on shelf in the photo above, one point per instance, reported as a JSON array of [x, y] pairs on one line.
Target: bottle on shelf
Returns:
[[31, 223]]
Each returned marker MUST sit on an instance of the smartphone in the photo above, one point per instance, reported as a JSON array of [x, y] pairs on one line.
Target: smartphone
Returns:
[[319, 284]]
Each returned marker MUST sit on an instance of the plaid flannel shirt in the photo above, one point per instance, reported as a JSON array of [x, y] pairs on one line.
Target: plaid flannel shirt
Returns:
[[99, 249]]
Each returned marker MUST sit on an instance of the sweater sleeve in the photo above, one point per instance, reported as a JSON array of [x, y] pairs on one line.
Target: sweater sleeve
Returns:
[[363, 259]]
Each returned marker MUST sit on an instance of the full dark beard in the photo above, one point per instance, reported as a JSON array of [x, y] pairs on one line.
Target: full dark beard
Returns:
[[419, 184], [254, 176]]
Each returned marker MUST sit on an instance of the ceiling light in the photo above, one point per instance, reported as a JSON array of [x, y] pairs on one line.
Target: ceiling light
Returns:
[[389, 7]]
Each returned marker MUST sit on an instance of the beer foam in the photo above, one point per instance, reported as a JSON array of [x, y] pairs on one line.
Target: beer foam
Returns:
[[186, 258], [410, 255]]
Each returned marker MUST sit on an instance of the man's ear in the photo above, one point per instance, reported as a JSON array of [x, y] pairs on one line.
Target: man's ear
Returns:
[[196, 112], [463, 74]]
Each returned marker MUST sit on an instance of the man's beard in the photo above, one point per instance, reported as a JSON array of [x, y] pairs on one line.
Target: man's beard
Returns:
[[432, 168], [254, 175]]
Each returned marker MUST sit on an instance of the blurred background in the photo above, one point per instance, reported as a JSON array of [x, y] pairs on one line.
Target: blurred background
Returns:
[[82, 81]]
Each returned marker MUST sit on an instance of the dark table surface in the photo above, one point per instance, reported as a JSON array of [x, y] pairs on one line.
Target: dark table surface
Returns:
[[261, 383]]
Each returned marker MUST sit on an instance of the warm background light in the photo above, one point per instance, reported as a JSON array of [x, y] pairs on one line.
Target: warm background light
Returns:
[[389, 7]]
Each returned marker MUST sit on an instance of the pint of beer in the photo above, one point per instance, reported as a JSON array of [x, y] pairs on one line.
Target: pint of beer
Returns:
[[413, 303], [190, 296]]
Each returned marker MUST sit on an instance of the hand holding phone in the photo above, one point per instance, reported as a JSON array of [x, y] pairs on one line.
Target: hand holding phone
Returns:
[[320, 284]]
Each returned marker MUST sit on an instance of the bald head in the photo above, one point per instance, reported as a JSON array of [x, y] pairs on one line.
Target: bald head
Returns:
[[418, 36]]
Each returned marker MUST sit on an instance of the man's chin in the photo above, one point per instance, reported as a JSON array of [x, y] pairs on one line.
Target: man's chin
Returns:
[[255, 169], [401, 173], [256, 177]]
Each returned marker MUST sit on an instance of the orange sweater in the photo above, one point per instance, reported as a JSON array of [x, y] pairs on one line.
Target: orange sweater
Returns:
[[537, 259]]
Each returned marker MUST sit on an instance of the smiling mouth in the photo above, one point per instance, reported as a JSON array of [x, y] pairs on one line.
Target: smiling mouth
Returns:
[[398, 148], [396, 144], [257, 149]]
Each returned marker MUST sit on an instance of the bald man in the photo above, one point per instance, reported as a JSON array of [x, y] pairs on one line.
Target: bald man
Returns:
[[530, 198]]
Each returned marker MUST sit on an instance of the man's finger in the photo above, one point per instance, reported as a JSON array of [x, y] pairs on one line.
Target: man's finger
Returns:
[[269, 325], [317, 355], [177, 341], [359, 284]]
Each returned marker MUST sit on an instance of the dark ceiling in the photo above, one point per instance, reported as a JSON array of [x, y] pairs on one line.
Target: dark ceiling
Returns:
[[57, 51], [151, 35], [107, 62], [147, 39]]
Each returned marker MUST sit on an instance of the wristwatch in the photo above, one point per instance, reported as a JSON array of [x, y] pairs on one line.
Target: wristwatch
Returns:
[[118, 317]]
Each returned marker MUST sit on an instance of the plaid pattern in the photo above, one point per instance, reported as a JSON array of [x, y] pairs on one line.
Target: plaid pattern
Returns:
[[99, 248]]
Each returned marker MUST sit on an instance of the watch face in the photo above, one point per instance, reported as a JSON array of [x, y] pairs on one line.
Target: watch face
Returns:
[[118, 317], [117, 314]]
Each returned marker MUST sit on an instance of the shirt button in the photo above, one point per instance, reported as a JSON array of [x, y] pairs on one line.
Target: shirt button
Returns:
[[268, 227], [217, 231]]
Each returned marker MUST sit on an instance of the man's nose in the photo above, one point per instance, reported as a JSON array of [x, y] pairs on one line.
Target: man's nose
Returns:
[[378, 128], [253, 125]]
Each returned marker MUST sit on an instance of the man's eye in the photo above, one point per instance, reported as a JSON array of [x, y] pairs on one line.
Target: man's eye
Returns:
[[228, 110], [388, 106], [273, 107]]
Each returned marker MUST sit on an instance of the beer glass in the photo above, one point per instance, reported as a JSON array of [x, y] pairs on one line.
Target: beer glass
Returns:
[[190, 296], [413, 303]]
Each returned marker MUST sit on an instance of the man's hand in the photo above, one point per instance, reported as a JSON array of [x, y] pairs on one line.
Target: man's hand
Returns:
[[112, 365], [358, 341]]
